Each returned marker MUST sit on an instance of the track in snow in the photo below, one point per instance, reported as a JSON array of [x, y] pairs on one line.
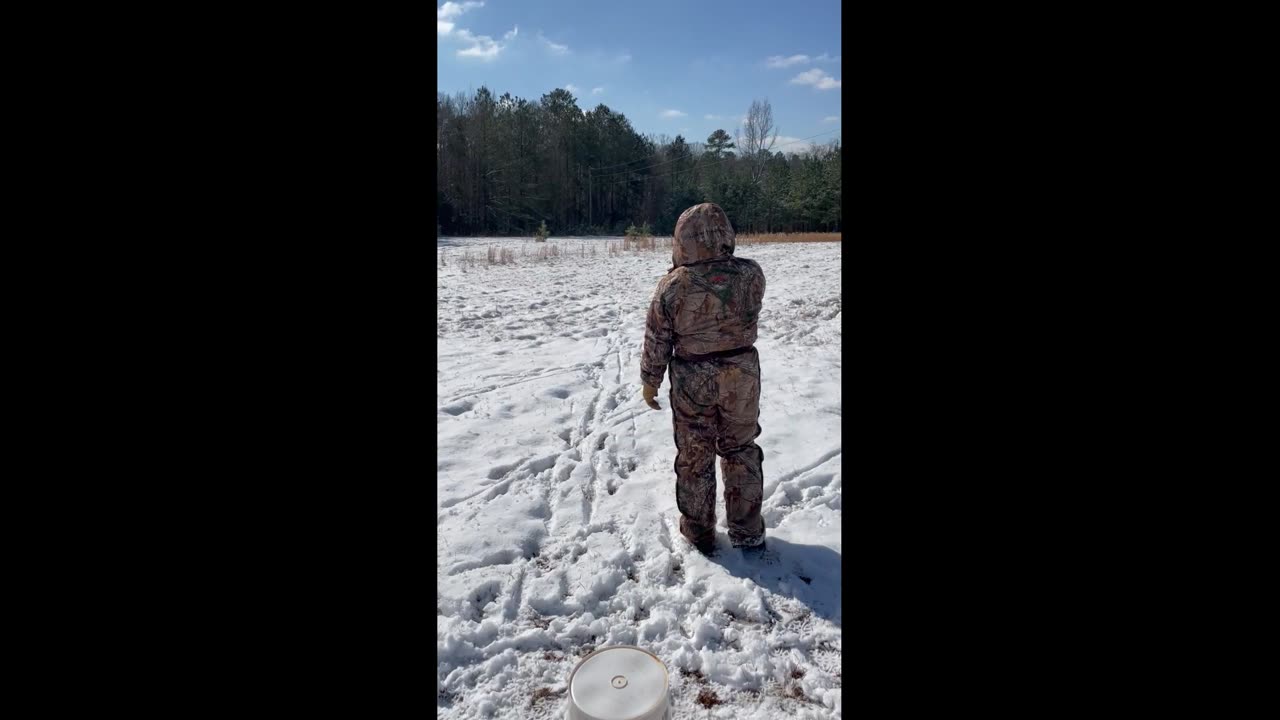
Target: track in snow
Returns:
[[557, 511]]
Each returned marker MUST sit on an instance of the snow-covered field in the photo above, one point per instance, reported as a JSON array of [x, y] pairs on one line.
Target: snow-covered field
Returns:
[[556, 506]]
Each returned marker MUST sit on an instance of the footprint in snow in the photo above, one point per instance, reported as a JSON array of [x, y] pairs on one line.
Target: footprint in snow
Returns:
[[458, 408]]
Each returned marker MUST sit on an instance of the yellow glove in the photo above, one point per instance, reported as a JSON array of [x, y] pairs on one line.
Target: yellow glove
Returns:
[[649, 393]]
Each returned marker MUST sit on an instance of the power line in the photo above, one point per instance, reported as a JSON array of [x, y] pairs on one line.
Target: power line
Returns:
[[606, 167]]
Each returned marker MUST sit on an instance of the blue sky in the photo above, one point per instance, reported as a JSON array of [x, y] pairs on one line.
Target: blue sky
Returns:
[[670, 67]]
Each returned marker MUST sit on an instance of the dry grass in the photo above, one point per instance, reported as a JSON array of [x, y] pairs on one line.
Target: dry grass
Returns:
[[543, 694], [543, 251], [495, 255], [630, 243], [640, 242], [499, 256], [492, 256], [637, 243], [697, 675], [585, 250], [649, 242], [787, 238]]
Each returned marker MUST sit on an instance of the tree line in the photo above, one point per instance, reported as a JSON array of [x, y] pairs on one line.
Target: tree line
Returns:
[[505, 165]]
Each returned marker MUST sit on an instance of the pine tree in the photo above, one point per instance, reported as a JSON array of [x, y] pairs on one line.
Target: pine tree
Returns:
[[718, 145], [507, 166]]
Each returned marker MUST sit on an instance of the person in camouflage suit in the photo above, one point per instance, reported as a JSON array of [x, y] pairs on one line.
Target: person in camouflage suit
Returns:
[[701, 327]]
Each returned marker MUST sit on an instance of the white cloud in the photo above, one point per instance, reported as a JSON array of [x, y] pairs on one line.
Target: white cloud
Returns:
[[710, 117], [453, 9], [831, 119], [802, 147], [555, 48], [482, 46], [672, 114], [479, 46], [786, 145], [778, 61], [597, 90], [450, 10], [817, 78], [571, 87]]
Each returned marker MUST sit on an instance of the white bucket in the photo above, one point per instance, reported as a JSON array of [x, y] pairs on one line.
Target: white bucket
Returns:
[[619, 682]]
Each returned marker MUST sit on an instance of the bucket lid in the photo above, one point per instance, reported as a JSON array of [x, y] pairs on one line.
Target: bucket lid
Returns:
[[619, 682]]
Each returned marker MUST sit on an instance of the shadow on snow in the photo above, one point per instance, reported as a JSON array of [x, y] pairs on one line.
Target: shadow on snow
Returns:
[[807, 573]]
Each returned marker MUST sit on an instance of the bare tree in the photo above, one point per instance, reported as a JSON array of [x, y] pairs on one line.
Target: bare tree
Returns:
[[758, 136]]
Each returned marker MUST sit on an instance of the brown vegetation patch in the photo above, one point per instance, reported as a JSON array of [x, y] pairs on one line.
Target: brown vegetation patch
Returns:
[[798, 693], [543, 693], [697, 675], [707, 698]]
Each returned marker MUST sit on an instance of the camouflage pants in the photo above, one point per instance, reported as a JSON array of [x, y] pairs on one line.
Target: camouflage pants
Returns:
[[715, 405]]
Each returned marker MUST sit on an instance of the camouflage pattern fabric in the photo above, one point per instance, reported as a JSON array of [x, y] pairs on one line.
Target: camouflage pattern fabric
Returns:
[[709, 304], [715, 405]]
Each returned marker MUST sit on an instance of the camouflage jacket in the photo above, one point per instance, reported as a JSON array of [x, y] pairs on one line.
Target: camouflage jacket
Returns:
[[708, 303]]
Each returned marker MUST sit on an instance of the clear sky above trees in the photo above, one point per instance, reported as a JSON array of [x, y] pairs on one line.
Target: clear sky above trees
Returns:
[[670, 67]]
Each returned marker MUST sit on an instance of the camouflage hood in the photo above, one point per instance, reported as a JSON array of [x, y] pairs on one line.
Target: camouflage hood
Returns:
[[702, 232]]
